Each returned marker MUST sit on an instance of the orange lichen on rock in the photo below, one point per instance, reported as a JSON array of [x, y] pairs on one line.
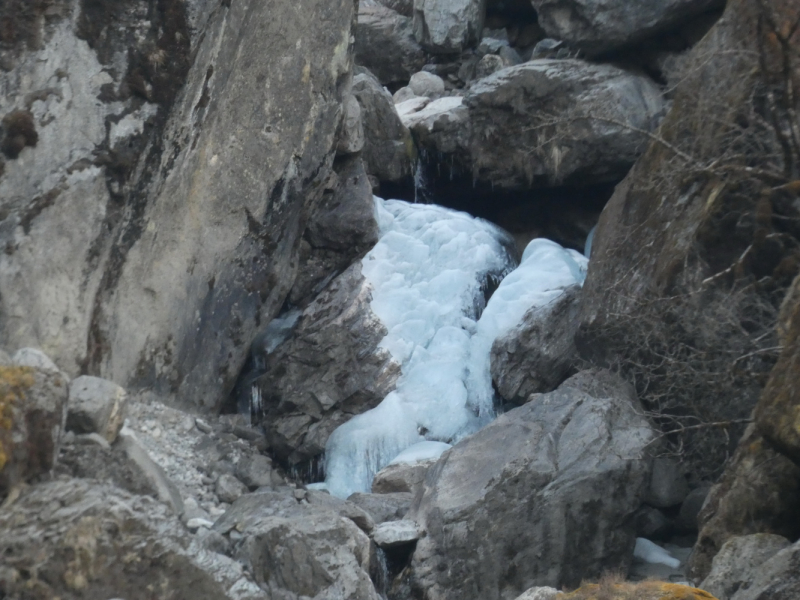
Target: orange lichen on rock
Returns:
[[14, 382], [614, 589]]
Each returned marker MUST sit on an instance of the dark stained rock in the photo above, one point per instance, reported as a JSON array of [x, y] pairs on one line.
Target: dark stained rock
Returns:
[[329, 370], [341, 229], [597, 27], [385, 44], [544, 495]]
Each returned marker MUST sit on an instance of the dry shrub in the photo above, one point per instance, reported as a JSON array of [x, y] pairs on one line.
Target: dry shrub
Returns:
[[614, 587]]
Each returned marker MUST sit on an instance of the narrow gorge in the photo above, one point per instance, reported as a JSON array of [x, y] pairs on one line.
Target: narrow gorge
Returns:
[[399, 299]]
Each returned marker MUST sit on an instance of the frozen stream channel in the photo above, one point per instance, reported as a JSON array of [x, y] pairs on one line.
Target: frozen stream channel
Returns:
[[429, 272]]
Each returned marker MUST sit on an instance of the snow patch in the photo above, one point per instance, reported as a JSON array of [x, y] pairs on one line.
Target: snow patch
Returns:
[[653, 553], [421, 451]]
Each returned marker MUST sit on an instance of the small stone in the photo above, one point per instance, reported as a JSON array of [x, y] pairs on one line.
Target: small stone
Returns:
[[403, 94], [255, 471], [299, 494], [33, 357], [203, 426], [229, 489], [96, 406], [197, 523], [396, 533], [426, 84]]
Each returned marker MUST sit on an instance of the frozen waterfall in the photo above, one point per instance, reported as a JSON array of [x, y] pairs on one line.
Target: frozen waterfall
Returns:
[[429, 273]]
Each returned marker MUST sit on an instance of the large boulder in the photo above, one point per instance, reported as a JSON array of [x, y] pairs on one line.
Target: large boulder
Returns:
[[385, 44], [300, 549], [78, 538], [545, 495], [777, 579], [388, 149], [597, 27], [739, 563], [570, 121], [33, 412], [156, 221], [448, 26], [329, 370], [538, 354]]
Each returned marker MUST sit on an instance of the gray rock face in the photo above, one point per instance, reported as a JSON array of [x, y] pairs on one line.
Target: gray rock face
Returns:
[[739, 562], [108, 264], [33, 411], [76, 538], [298, 550], [538, 354], [96, 406], [150, 471], [777, 579], [255, 471], [569, 119], [229, 489], [542, 496], [383, 507], [328, 371], [385, 44], [401, 477], [396, 533], [668, 485], [426, 84], [341, 229], [388, 150], [597, 27], [448, 26]]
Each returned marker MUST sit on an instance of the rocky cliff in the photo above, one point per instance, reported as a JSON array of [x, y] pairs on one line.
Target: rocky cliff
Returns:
[[399, 299]]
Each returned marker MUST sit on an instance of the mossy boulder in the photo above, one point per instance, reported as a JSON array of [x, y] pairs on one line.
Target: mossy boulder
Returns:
[[648, 590], [33, 407]]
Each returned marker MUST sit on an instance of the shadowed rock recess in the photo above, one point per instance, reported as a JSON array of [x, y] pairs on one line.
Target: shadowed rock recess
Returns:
[[399, 299]]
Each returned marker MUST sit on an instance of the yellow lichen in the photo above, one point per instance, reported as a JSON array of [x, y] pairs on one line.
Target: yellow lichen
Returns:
[[14, 383], [612, 588]]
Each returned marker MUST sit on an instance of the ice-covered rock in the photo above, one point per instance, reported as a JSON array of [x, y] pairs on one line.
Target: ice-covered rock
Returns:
[[422, 451], [429, 273], [653, 553]]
